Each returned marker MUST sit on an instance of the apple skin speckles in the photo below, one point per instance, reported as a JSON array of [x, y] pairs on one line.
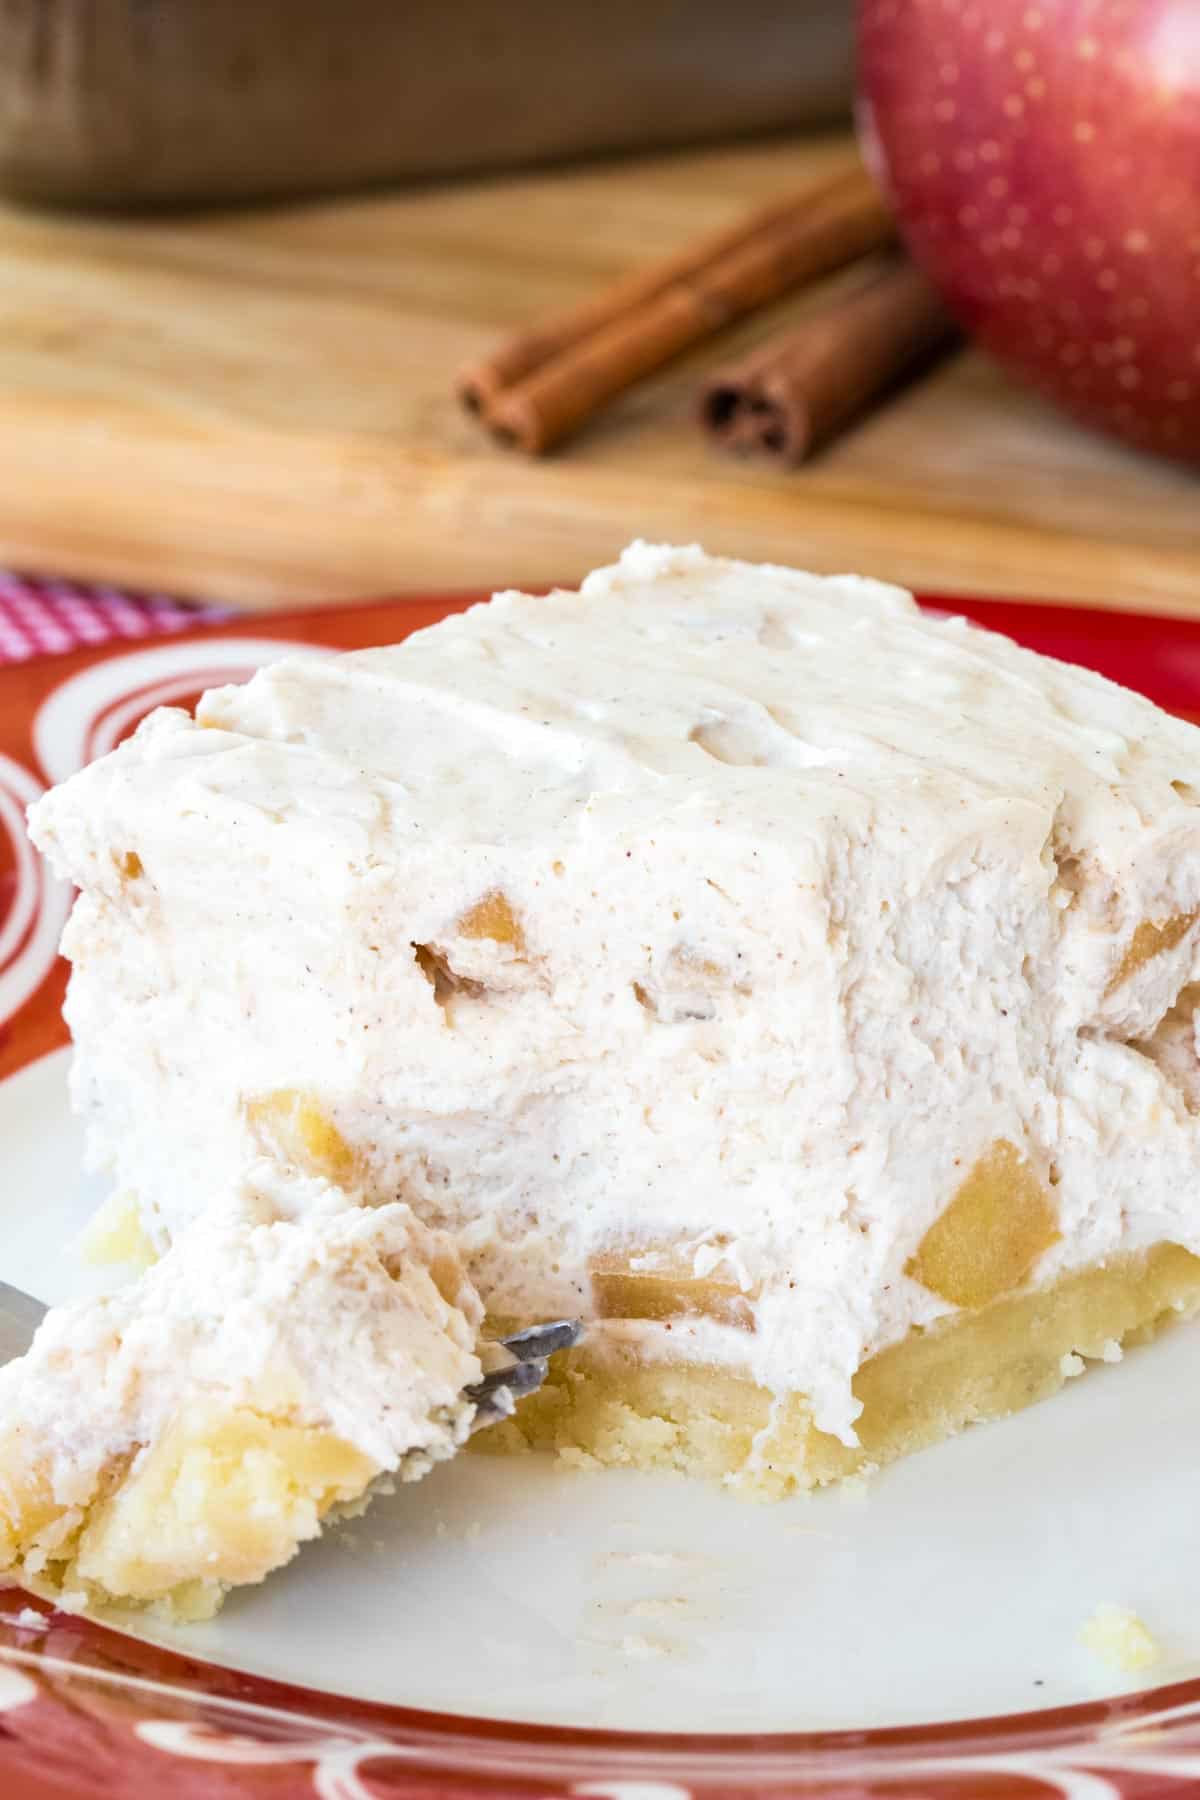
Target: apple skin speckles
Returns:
[[1044, 162]]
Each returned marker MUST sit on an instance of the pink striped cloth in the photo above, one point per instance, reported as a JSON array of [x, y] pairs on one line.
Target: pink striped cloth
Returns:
[[44, 617]]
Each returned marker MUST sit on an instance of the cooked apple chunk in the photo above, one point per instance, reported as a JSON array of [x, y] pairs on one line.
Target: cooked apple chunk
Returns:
[[662, 1284], [992, 1233]]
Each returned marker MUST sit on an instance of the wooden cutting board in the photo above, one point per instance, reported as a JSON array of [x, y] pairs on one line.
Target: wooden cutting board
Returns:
[[256, 405]]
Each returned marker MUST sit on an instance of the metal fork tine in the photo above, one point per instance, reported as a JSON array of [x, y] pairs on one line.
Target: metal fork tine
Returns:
[[520, 1378], [20, 1316], [538, 1341], [497, 1394]]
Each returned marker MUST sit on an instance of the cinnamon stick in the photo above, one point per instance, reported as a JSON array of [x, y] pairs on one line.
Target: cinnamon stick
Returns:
[[480, 383], [797, 390], [548, 381]]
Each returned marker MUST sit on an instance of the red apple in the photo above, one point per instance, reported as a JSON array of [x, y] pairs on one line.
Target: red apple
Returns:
[[1044, 161]]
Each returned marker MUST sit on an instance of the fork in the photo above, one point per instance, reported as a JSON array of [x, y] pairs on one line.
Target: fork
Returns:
[[497, 1394], [495, 1397]]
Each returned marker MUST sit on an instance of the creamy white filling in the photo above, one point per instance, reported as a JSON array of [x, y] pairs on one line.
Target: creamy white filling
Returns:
[[286, 1299], [818, 898]]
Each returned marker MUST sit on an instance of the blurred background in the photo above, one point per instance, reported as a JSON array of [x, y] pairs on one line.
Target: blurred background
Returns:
[[119, 102], [248, 246]]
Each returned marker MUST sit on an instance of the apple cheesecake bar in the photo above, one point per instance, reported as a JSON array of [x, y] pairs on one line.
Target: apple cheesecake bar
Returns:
[[793, 984], [189, 1432]]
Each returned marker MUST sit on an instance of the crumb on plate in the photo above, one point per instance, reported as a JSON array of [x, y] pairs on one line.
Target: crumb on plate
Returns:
[[1120, 1639]]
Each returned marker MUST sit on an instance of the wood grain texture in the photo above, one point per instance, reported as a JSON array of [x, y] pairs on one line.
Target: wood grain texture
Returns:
[[256, 406]]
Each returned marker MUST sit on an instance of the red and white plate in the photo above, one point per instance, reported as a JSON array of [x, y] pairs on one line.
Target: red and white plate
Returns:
[[508, 1628]]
